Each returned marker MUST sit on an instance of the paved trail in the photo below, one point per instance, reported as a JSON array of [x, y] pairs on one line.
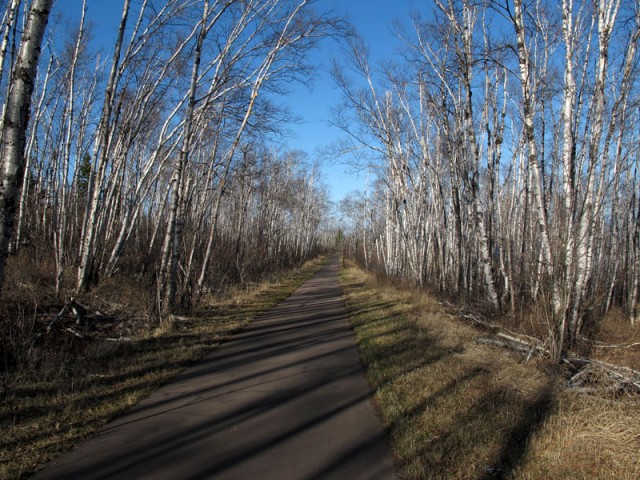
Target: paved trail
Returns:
[[285, 399]]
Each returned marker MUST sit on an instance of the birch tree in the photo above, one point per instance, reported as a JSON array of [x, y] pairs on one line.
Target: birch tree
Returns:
[[95, 190], [15, 121], [500, 145]]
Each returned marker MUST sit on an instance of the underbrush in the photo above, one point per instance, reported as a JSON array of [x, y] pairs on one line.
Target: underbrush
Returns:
[[42, 331], [458, 409], [73, 379]]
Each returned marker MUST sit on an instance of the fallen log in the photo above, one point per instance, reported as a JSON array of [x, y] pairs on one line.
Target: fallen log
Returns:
[[597, 344], [503, 344], [79, 310], [590, 375]]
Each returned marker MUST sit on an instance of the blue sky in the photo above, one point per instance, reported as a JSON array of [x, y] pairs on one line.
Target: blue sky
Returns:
[[372, 19]]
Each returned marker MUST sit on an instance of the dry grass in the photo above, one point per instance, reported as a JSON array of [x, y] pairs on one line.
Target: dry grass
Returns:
[[460, 410], [46, 411], [585, 438], [615, 340]]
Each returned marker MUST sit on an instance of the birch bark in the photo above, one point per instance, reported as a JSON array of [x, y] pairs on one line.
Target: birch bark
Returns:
[[173, 236], [95, 184], [16, 119]]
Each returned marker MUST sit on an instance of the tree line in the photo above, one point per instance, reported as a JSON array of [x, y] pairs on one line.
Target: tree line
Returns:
[[504, 139], [157, 156]]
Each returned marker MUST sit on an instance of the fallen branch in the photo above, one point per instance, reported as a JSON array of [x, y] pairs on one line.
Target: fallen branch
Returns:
[[597, 344], [74, 333], [55, 319], [590, 373], [475, 319], [79, 310], [610, 366]]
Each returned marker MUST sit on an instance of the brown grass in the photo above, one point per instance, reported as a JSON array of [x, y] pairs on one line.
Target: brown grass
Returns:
[[460, 410], [615, 340], [45, 411]]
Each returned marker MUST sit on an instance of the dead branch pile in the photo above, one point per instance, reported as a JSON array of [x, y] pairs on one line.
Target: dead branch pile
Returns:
[[83, 322], [584, 375], [592, 376]]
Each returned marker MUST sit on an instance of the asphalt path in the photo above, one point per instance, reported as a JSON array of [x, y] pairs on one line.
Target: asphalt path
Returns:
[[285, 399]]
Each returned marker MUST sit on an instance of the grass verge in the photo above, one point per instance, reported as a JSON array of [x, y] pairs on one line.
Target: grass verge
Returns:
[[43, 415], [457, 409]]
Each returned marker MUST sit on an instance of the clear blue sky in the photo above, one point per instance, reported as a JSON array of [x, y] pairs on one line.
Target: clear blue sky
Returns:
[[372, 19]]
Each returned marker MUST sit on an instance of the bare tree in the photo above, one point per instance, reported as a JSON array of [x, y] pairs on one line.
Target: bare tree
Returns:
[[552, 83], [16, 119]]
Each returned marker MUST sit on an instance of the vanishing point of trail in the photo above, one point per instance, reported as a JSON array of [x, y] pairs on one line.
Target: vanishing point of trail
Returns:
[[285, 399]]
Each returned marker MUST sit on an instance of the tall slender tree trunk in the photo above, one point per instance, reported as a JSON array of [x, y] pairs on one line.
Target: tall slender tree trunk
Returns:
[[63, 211], [8, 25], [16, 119], [607, 12], [546, 256], [28, 155], [95, 186], [568, 161], [173, 236], [9, 28]]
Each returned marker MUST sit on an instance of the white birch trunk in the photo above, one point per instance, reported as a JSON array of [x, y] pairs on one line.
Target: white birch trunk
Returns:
[[173, 236], [63, 212], [16, 119], [96, 185]]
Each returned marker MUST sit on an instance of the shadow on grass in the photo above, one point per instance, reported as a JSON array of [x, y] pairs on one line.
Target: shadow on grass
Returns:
[[449, 414], [516, 441], [50, 408], [278, 391]]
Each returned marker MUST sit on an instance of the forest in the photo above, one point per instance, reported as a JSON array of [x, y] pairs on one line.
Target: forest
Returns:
[[151, 206], [155, 158], [505, 143]]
